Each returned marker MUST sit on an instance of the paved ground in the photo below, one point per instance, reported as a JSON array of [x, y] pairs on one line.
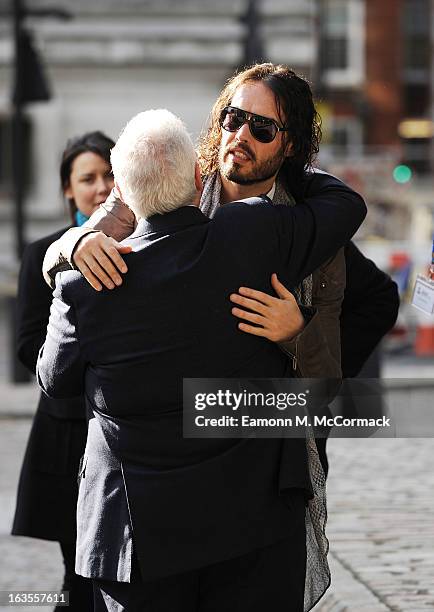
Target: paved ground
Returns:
[[381, 509], [381, 524]]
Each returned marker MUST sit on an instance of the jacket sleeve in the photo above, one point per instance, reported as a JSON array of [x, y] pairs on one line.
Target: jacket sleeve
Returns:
[[369, 310], [61, 364], [316, 350], [112, 218], [314, 230], [33, 307]]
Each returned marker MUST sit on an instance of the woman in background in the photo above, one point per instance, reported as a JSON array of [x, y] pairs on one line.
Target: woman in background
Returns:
[[47, 490]]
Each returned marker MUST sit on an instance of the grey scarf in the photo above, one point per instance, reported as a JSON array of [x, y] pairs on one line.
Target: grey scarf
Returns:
[[317, 569]]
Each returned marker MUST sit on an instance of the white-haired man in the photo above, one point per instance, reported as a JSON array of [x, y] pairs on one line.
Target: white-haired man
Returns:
[[165, 522]]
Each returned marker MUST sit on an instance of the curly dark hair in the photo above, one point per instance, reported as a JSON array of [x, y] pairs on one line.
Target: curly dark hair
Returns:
[[295, 108]]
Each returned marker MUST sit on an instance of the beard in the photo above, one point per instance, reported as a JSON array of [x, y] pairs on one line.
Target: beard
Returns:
[[258, 173]]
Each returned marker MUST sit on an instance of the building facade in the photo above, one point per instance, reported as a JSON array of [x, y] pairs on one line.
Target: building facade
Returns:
[[369, 61]]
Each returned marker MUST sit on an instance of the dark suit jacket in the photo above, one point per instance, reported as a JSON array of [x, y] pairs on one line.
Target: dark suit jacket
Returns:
[[369, 310], [188, 502], [47, 490]]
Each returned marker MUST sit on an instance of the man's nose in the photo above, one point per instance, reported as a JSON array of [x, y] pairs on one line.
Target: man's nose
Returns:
[[244, 132]]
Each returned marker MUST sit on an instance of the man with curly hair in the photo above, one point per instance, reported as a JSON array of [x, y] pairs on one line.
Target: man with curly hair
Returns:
[[263, 136]]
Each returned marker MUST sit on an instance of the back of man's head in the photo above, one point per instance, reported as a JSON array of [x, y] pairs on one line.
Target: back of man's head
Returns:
[[154, 163]]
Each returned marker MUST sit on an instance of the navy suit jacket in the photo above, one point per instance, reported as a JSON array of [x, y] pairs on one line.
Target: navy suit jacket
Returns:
[[186, 502]]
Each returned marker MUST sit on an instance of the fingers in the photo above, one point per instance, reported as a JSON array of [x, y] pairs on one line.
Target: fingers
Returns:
[[280, 289], [248, 303], [249, 316], [113, 250], [96, 270], [104, 263], [91, 278], [260, 296], [250, 329], [124, 248], [98, 259], [274, 318]]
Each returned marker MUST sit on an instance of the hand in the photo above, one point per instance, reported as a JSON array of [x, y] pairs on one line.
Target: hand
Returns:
[[98, 258], [279, 319]]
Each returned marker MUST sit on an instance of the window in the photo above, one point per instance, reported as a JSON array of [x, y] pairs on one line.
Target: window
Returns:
[[342, 42], [343, 138], [335, 29], [340, 137], [336, 54], [416, 100], [416, 35]]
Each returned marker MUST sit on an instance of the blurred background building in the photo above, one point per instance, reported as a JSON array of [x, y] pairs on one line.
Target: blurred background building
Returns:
[[370, 63]]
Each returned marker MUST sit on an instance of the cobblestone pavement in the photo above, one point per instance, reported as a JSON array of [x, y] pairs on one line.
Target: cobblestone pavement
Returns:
[[381, 525], [25, 563]]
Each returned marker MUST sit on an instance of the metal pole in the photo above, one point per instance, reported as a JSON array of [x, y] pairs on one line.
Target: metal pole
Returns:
[[18, 372], [253, 44], [18, 134]]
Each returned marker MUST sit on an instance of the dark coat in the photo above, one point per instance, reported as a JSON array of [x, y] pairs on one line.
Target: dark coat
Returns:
[[189, 502], [47, 490], [369, 310]]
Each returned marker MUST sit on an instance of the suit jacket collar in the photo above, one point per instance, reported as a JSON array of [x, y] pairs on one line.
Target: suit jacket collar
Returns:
[[176, 220]]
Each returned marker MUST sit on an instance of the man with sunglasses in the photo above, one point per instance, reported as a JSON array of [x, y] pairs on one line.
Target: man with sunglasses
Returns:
[[262, 139], [263, 136], [166, 522]]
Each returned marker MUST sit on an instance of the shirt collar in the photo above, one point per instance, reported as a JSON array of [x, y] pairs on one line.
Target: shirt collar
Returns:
[[270, 194]]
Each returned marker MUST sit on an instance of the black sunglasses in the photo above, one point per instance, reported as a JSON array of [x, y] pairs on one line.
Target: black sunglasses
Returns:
[[261, 128]]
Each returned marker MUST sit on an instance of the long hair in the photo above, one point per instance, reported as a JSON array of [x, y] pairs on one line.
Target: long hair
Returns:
[[94, 142], [295, 108]]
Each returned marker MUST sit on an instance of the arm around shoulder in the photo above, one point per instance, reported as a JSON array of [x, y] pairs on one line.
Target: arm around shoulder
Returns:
[[113, 218], [58, 257], [323, 222], [32, 307], [61, 364]]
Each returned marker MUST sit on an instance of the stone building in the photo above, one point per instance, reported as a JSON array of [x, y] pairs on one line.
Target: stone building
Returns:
[[113, 59], [368, 60]]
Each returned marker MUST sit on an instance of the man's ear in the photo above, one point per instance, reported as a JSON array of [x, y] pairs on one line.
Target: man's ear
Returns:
[[198, 178], [117, 191]]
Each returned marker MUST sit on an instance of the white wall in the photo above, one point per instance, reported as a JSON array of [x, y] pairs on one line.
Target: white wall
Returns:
[[106, 99]]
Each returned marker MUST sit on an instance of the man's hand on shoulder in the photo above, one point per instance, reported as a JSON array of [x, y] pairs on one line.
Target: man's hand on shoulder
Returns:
[[98, 258]]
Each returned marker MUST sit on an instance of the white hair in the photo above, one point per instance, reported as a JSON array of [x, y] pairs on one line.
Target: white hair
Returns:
[[153, 163]]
